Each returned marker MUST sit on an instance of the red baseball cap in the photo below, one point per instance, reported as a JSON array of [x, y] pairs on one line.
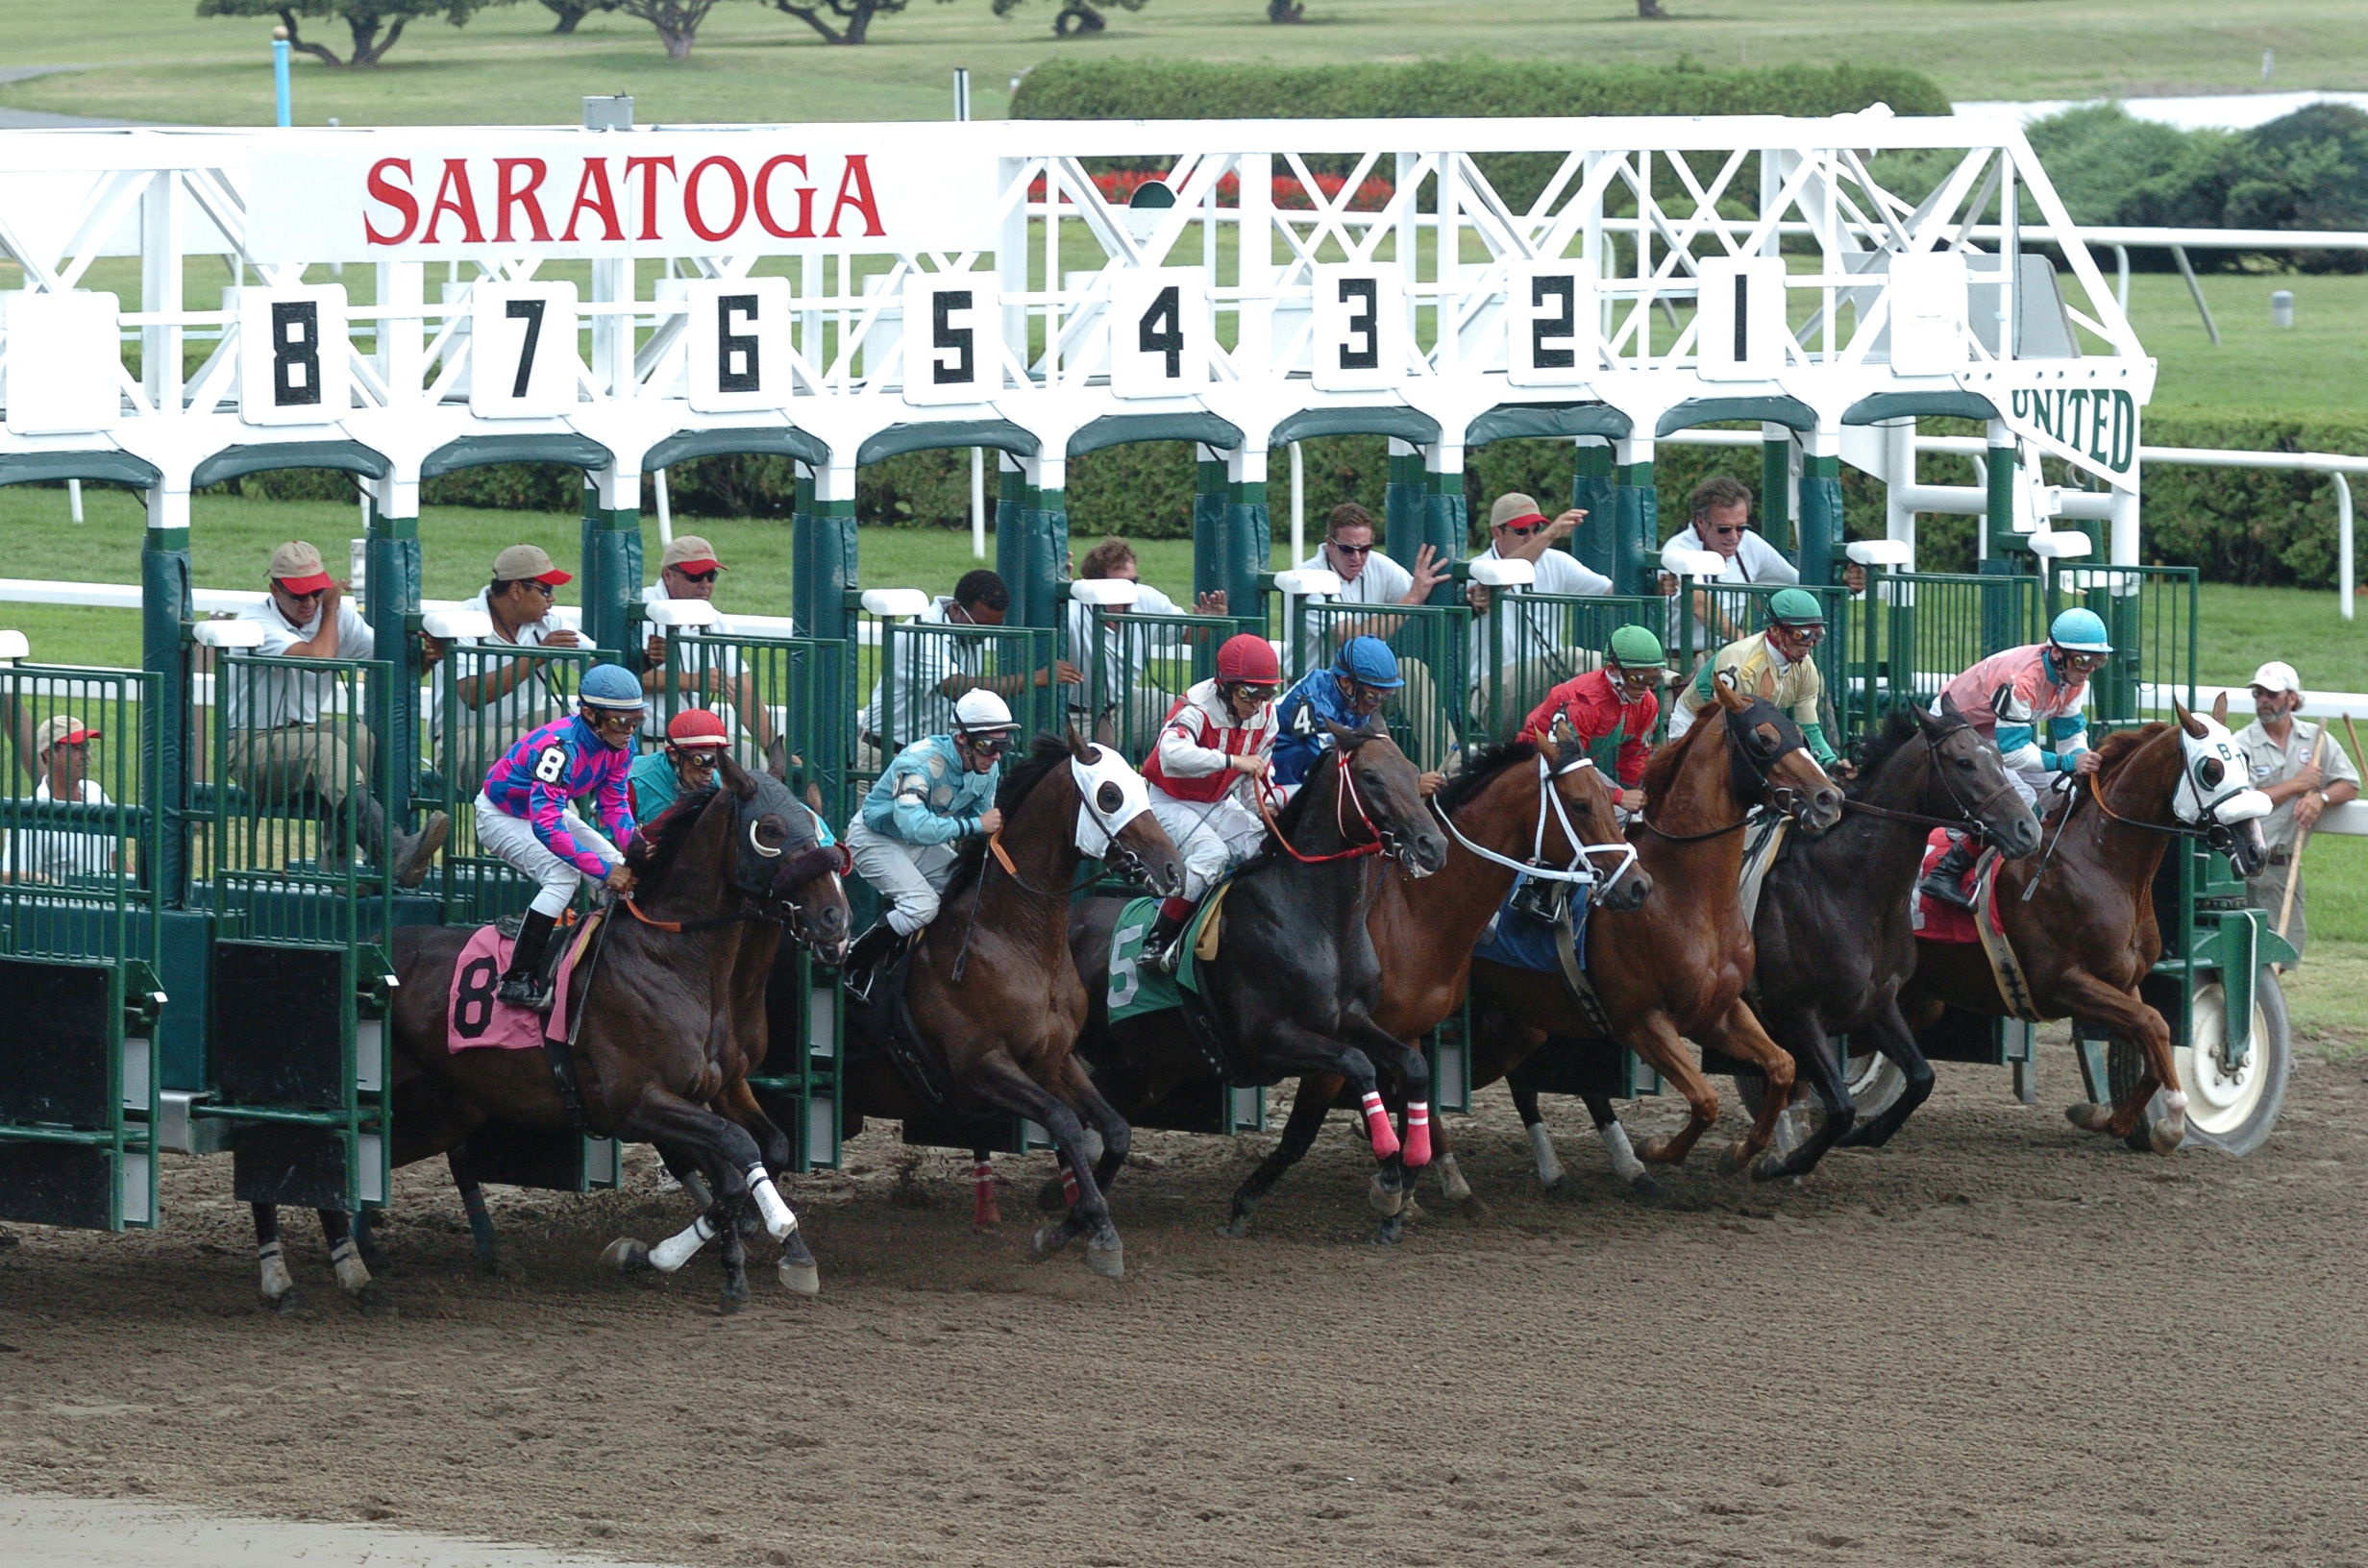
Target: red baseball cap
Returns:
[[528, 563], [297, 567], [695, 726]]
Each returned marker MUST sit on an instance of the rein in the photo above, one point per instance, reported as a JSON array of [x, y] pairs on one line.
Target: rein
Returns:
[[1347, 790], [1968, 818], [709, 924], [2179, 830], [1769, 793], [1581, 871]]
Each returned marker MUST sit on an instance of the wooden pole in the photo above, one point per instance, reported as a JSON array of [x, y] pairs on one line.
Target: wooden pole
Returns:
[[2294, 864]]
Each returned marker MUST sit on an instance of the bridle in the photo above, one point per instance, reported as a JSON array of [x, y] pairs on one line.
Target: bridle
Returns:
[[1968, 818], [1782, 797], [1581, 871], [1345, 794], [2217, 834]]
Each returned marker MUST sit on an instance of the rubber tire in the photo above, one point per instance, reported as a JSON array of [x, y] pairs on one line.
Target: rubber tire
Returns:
[[1875, 1086], [2272, 1039]]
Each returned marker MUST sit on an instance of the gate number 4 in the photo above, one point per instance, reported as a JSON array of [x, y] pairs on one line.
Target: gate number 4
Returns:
[[1167, 340]]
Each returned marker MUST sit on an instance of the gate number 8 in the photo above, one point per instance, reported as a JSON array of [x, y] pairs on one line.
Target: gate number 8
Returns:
[[530, 312], [1152, 338], [295, 352]]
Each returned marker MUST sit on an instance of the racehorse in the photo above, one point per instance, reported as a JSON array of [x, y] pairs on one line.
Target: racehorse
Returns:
[[1833, 932], [989, 989], [1294, 984], [1511, 810], [2079, 916], [670, 1022], [1677, 965]]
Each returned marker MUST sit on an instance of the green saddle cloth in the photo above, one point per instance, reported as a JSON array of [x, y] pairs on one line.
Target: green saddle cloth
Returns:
[[1137, 988]]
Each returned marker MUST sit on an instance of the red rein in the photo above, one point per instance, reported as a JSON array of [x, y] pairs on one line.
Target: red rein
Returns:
[[1347, 790]]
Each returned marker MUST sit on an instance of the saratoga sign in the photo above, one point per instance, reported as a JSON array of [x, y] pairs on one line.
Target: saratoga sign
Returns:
[[423, 196]]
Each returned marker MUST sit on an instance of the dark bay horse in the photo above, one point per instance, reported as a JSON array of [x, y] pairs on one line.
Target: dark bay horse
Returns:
[[1833, 932], [672, 1019], [991, 989], [1294, 984], [1677, 966], [2081, 913], [1509, 808]]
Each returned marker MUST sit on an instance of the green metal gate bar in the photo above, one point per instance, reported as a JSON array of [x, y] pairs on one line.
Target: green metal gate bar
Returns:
[[488, 694], [1136, 667], [1429, 719]]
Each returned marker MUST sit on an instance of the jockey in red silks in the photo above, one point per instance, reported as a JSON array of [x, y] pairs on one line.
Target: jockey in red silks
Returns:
[[1211, 753]]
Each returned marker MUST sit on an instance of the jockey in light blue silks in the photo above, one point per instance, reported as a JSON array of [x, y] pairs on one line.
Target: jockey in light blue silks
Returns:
[[2031, 700]]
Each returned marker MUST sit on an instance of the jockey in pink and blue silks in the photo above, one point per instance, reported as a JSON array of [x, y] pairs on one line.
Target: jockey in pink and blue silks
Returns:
[[2032, 699], [524, 814]]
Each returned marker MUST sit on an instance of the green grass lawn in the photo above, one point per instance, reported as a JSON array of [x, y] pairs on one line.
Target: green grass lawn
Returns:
[[155, 60]]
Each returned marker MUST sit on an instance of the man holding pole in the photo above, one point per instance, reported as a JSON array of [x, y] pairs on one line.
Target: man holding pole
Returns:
[[2302, 771]]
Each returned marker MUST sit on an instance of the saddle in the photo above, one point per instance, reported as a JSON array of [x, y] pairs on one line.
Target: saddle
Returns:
[[1136, 988], [1540, 928], [1937, 923], [896, 1034]]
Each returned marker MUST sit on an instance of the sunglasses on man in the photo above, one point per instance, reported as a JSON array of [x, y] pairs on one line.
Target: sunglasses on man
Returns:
[[1350, 550], [707, 575]]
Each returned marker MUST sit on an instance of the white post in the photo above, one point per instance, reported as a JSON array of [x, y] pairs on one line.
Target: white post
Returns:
[[1899, 476], [665, 509], [1298, 507], [74, 497], [2343, 541], [979, 503]]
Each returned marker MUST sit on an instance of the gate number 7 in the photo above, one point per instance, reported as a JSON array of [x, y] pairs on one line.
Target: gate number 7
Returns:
[[530, 312]]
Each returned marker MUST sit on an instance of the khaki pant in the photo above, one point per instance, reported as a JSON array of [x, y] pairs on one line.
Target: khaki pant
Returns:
[[300, 763], [2267, 890]]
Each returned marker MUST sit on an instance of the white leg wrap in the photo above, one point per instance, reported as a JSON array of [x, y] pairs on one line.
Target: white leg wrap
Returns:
[[276, 1282], [678, 1248], [770, 1203], [2176, 1103], [1625, 1162], [1094, 1148], [1542, 1148], [1452, 1180], [352, 1274]]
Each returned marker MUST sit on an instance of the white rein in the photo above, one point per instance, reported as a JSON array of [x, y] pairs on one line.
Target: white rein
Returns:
[[1581, 871]]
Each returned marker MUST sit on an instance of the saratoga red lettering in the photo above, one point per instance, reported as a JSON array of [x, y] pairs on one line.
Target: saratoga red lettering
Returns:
[[806, 200], [649, 167], [593, 195], [697, 219], [858, 180], [453, 195], [385, 189], [508, 195]]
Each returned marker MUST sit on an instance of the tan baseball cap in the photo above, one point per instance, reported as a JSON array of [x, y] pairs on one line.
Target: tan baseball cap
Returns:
[[692, 553], [1514, 508], [528, 563], [298, 566], [62, 728]]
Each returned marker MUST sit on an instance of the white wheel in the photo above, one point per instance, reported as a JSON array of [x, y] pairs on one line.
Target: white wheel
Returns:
[[2232, 1112]]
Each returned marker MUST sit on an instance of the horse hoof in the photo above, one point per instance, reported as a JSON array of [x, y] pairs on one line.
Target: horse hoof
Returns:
[[489, 1264], [2087, 1115], [628, 1256], [1051, 1198], [1412, 1211], [1772, 1168], [1387, 1201], [2165, 1137], [376, 1303], [1047, 1240], [1644, 1187], [1733, 1158], [287, 1304], [1388, 1233], [800, 1278], [733, 1302], [1470, 1206], [1107, 1260]]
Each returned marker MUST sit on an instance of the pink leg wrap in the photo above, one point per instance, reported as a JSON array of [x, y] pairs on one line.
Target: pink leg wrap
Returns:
[[1417, 1134], [984, 1213], [1377, 1126], [1069, 1185]]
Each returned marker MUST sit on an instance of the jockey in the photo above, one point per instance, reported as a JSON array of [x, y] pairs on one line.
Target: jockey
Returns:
[[1795, 626], [524, 814], [1614, 710], [1359, 681], [1210, 752], [2037, 722], [935, 792]]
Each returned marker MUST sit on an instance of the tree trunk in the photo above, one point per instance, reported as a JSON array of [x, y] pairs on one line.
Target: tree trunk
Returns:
[[568, 20], [811, 15], [679, 41], [859, 25], [1650, 10], [1285, 11], [287, 19]]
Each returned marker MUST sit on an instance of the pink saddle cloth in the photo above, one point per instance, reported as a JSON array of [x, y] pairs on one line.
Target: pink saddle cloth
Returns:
[[1941, 922], [474, 1019]]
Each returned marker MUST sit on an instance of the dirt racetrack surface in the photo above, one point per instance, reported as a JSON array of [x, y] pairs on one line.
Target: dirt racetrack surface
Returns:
[[1998, 1341]]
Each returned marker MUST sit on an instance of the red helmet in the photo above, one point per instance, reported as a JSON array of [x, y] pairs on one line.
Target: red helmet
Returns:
[[1248, 657], [695, 726]]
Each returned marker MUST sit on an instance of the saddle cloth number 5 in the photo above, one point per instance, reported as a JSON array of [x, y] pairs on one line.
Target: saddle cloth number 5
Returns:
[[1126, 980]]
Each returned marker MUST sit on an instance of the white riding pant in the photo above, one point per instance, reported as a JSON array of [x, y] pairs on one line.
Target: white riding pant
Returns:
[[1213, 836], [513, 839], [910, 876]]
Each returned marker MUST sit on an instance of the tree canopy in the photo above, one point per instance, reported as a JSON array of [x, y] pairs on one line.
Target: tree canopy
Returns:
[[374, 25]]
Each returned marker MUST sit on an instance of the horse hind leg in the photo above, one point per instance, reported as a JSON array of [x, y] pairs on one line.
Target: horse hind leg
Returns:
[[1739, 1035], [1307, 1116], [2132, 1019], [473, 1204], [1616, 1147], [352, 1274], [1001, 1082], [278, 1285]]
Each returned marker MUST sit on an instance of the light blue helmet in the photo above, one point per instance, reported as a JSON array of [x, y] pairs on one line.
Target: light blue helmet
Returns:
[[1368, 662], [611, 686], [2080, 631]]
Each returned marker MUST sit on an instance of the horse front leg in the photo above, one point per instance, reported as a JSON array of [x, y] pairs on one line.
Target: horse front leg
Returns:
[[1892, 1036], [1813, 1052], [1308, 1111], [1394, 1183], [1739, 1035], [1102, 1118], [997, 1078], [473, 1204], [2128, 1015], [271, 1260], [352, 1274], [1654, 1037], [729, 1157]]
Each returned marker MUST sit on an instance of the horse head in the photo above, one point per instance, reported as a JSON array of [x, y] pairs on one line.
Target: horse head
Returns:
[[1590, 810], [1115, 824], [779, 861], [1973, 777], [2212, 794], [1377, 778], [1771, 759]]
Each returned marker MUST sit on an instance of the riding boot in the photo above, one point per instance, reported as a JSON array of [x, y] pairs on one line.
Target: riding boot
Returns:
[[522, 983], [409, 855], [1945, 882], [1160, 946], [865, 956]]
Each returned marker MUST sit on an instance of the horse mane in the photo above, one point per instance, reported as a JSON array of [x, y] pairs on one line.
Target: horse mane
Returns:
[[1899, 727], [1480, 769], [2116, 748], [1288, 818], [1661, 769], [1045, 753], [656, 843]]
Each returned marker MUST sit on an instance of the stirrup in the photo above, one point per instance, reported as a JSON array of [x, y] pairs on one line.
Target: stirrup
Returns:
[[1946, 889], [525, 990]]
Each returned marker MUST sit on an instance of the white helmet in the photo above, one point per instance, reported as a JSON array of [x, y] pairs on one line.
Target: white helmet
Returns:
[[979, 711]]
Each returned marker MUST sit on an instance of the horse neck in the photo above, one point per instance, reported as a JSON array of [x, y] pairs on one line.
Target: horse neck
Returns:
[[696, 880], [1701, 797], [1321, 829], [1044, 850], [2141, 791], [1882, 858], [1502, 816]]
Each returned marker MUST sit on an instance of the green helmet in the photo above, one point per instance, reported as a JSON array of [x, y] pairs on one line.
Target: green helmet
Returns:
[[1635, 647], [1796, 607]]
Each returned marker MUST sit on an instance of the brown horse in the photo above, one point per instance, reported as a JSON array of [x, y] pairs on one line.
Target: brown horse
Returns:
[[672, 1020], [1678, 965], [991, 989], [2081, 915], [1511, 810]]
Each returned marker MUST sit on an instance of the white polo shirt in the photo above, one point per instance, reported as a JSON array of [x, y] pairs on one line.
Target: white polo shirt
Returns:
[[271, 699], [1558, 572], [44, 853], [531, 701], [1755, 561], [1383, 581]]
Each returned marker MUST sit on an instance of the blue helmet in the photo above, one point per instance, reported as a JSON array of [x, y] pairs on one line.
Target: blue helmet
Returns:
[[611, 686], [1368, 662], [2080, 631]]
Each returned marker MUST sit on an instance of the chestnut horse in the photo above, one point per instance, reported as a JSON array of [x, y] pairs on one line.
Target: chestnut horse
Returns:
[[671, 1022], [1509, 809], [1677, 966], [1295, 981], [991, 989], [2081, 915]]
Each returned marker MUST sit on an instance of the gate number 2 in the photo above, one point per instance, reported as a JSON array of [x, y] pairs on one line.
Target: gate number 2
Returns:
[[1564, 326]]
